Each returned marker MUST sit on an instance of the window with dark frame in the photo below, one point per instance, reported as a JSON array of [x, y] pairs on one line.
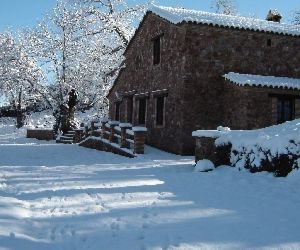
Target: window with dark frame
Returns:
[[156, 50], [160, 110], [269, 42], [129, 109], [285, 109], [138, 60], [117, 111], [142, 111]]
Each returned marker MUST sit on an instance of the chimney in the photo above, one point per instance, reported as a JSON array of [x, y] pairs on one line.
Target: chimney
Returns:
[[274, 16]]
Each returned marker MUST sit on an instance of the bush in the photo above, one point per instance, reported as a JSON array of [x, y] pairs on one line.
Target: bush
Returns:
[[258, 160]]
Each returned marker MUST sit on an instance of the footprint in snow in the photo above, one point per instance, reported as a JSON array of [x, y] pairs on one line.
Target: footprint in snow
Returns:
[[145, 225], [73, 233], [115, 226], [141, 237], [52, 235], [62, 232]]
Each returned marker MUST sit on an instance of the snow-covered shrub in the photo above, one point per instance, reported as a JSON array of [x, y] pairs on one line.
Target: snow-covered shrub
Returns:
[[274, 149], [204, 166], [258, 160]]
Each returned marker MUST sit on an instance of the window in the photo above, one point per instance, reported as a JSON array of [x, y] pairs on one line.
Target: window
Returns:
[[156, 50], [117, 110], [138, 60], [142, 111], [129, 109], [269, 42], [285, 109], [160, 110]]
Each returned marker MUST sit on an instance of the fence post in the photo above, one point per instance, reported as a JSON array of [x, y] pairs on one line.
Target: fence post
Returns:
[[103, 129], [78, 135], [124, 127], [112, 125], [93, 125], [139, 139]]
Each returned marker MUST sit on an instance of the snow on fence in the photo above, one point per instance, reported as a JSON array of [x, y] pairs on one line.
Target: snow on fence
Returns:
[[120, 138], [273, 149]]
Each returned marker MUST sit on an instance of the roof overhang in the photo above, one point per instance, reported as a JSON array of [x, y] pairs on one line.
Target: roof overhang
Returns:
[[263, 81]]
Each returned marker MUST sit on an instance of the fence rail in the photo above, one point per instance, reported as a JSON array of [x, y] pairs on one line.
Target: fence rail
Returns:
[[123, 134]]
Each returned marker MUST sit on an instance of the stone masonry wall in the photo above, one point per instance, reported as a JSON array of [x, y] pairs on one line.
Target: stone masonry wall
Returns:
[[141, 76], [194, 58], [40, 134], [213, 51]]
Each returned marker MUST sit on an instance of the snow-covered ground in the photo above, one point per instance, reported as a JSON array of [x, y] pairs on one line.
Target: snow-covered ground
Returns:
[[56, 196]]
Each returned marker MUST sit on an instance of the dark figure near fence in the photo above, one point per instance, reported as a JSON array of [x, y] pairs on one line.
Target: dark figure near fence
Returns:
[[73, 99], [65, 115], [57, 117]]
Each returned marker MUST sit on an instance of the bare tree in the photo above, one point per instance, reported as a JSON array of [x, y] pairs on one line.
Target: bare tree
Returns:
[[227, 7], [19, 73], [296, 17], [80, 45]]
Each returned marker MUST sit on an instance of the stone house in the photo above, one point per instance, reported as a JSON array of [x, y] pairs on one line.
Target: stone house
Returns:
[[188, 70]]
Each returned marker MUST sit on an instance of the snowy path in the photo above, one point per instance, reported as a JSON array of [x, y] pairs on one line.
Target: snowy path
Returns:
[[67, 197]]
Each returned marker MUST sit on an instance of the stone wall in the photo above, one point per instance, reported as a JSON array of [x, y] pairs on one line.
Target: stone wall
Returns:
[[194, 58], [142, 77], [102, 145], [210, 100], [206, 149], [40, 134]]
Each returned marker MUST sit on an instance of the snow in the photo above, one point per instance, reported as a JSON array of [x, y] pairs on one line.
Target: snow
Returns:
[[112, 144], [208, 133], [204, 165], [276, 140], [263, 81], [55, 196], [259, 144], [179, 15], [139, 129], [113, 123], [129, 132], [275, 12], [118, 128], [211, 133], [104, 120], [125, 125]]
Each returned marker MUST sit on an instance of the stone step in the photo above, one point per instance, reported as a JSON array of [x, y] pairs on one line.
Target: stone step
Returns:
[[66, 137], [69, 135], [64, 142]]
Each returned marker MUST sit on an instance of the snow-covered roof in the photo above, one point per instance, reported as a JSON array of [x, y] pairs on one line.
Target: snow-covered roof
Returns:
[[179, 15], [263, 81]]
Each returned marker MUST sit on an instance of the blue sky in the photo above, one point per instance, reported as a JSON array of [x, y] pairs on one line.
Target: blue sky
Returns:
[[22, 13]]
